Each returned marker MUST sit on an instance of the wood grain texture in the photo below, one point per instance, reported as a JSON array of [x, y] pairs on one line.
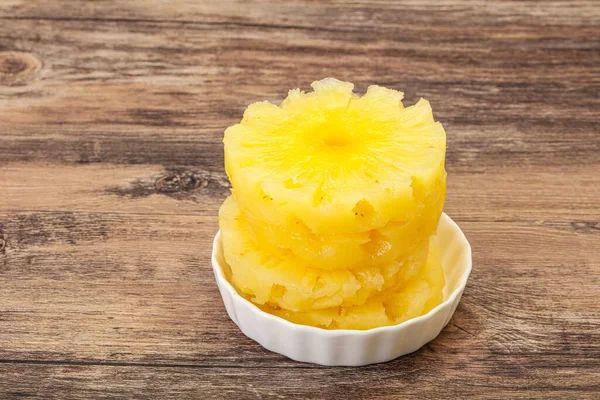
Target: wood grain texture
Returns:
[[111, 176]]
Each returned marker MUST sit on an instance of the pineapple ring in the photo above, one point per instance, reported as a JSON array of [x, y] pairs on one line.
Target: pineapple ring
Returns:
[[280, 279], [411, 299], [350, 250], [338, 162]]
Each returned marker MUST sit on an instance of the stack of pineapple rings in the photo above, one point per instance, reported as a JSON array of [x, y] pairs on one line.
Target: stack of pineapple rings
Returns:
[[334, 203]]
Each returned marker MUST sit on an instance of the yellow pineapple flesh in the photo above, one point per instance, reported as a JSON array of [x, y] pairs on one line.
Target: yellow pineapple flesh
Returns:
[[351, 250], [337, 162], [283, 280], [407, 299], [335, 199]]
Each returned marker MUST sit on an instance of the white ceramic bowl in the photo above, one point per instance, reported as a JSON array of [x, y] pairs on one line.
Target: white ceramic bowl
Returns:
[[351, 347]]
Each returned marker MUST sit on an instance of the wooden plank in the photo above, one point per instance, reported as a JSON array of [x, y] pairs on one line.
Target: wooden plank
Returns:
[[162, 91], [396, 380], [565, 195], [98, 287], [139, 189], [326, 15]]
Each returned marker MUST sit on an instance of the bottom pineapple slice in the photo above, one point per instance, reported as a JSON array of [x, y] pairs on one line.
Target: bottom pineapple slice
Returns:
[[279, 278], [409, 299]]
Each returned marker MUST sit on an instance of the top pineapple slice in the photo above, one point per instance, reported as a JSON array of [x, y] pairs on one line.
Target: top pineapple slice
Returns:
[[337, 162]]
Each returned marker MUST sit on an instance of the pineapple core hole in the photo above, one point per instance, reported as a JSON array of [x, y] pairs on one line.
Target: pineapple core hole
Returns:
[[336, 139]]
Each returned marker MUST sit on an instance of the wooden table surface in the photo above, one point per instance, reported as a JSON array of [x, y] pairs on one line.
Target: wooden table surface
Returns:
[[111, 174]]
